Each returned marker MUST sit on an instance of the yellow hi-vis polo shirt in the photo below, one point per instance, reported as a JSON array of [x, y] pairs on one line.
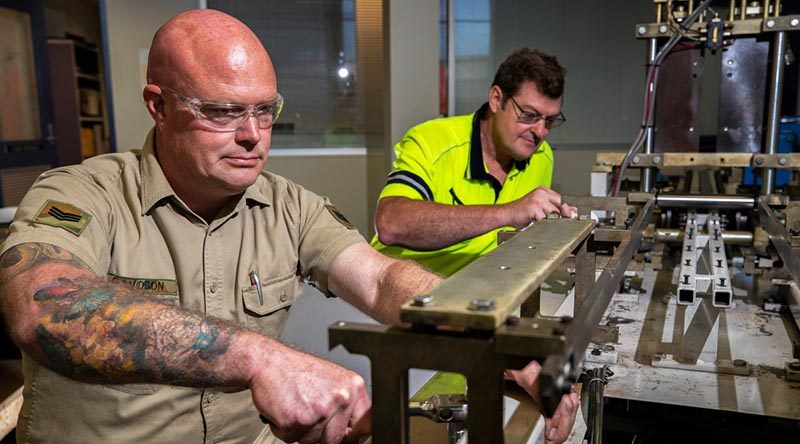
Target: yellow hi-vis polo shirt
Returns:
[[441, 161]]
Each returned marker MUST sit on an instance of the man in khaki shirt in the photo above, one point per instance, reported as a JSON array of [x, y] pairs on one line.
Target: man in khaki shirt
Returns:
[[146, 289]]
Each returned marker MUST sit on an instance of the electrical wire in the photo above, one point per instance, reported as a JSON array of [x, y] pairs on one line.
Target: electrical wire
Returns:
[[650, 92]]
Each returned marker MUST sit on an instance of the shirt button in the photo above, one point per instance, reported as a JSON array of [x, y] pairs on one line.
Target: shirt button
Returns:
[[213, 287], [284, 297]]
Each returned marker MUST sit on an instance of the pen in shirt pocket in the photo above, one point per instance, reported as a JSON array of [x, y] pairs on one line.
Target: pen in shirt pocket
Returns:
[[257, 283]]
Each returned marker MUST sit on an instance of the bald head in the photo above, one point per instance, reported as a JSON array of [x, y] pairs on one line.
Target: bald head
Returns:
[[198, 49]]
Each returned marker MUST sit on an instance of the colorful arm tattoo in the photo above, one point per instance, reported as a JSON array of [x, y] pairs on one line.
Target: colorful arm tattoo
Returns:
[[95, 331]]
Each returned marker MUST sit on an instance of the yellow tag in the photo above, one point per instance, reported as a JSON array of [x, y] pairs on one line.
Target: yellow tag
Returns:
[[63, 215], [339, 217]]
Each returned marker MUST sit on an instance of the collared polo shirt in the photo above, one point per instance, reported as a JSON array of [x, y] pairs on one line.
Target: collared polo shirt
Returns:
[[441, 161], [141, 234]]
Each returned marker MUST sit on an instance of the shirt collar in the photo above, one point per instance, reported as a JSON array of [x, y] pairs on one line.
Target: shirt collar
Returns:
[[155, 186], [477, 168]]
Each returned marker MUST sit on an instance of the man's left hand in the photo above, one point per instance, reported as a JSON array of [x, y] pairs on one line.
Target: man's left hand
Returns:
[[557, 428]]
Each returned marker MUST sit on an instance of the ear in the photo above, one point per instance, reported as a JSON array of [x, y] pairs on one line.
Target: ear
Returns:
[[154, 102], [495, 98]]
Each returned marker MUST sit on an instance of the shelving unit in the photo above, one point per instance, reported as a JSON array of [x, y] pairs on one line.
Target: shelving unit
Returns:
[[81, 122]]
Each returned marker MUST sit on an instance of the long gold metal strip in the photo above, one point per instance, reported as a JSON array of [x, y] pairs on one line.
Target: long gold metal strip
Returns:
[[502, 279]]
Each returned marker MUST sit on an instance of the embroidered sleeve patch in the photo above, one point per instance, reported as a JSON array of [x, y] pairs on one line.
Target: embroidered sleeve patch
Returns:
[[63, 215], [340, 217]]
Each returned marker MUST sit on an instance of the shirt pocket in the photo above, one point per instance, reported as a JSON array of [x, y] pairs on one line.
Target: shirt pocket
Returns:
[[277, 295]]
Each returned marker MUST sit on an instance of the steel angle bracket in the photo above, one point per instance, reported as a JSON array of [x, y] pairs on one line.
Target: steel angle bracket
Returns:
[[561, 370], [481, 356], [484, 294]]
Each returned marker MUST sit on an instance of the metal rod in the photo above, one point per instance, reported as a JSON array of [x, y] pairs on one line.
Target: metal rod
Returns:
[[765, 5], [705, 201], [658, 12], [742, 9], [559, 371], [731, 10], [597, 386], [674, 235], [646, 175], [777, 11], [773, 115]]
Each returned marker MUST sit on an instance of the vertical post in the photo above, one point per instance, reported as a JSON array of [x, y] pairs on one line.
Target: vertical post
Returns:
[[647, 173], [484, 424], [774, 107], [584, 274], [531, 306], [390, 404]]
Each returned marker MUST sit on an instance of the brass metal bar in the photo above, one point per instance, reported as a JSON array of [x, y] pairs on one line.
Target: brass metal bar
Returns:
[[483, 294], [743, 10], [704, 201], [731, 10], [765, 6], [560, 371], [659, 12], [777, 11]]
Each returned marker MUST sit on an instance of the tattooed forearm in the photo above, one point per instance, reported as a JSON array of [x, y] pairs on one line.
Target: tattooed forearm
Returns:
[[89, 329]]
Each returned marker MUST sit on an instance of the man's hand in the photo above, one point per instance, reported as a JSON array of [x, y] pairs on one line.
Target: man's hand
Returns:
[[557, 428], [536, 205], [309, 400]]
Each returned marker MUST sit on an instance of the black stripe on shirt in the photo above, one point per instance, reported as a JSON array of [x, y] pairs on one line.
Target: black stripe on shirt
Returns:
[[410, 179]]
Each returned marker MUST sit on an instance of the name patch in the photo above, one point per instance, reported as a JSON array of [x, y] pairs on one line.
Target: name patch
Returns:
[[159, 286]]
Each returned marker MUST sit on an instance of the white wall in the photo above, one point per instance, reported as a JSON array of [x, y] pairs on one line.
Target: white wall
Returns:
[[130, 28]]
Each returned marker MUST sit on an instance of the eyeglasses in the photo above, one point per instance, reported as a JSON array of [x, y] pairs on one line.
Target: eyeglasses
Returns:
[[530, 118], [228, 116]]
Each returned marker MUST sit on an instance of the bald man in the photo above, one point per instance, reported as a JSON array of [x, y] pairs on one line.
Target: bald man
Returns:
[[147, 288]]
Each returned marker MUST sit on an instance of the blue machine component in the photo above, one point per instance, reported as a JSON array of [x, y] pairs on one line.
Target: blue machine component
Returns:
[[788, 141]]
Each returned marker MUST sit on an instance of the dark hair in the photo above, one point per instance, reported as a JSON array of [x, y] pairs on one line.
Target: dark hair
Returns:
[[525, 65]]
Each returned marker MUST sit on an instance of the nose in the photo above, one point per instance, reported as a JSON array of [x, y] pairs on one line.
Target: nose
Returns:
[[249, 131], [540, 129]]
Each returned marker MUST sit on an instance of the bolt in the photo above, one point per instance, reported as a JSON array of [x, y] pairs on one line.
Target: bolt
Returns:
[[642, 30], [694, 63], [759, 161], [423, 300], [725, 129], [730, 61], [657, 160], [445, 414], [480, 304], [739, 362], [535, 326], [794, 22], [341, 323], [691, 129], [636, 159], [531, 247], [662, 29], [782, 161], [504, 267], [770, 24], [596, 352]]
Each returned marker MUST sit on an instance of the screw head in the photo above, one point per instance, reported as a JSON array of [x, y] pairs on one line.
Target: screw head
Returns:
[[770, 24], [480, 304], [759, 161], [662, 29], [656, 160], [642, 30], [725, 129], [504, 267], [636, 159], [782, 161], [729, 62], [795, 22], [423, 300]]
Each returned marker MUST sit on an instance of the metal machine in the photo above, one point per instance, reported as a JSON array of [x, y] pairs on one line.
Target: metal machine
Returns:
[[682, 280]]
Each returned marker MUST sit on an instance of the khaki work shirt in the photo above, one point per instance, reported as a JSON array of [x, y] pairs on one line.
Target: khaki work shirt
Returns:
[[140, 233]]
